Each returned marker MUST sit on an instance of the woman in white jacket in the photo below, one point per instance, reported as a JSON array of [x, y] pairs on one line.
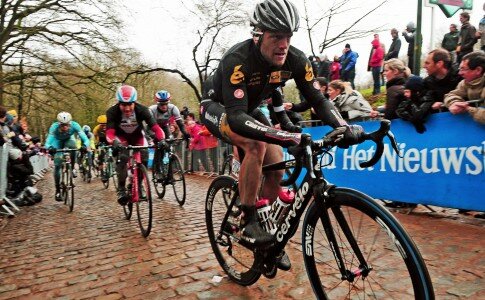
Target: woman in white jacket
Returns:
[[350, 103]]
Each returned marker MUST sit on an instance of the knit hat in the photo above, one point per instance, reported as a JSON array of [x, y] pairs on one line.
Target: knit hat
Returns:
[[14, 154], [13, 113], [347, 46], [414, 83]]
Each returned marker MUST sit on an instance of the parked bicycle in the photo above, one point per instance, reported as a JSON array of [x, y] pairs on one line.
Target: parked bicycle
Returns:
[[167, 170], [108, 166], [353, 248], [138, 189], [67, 181]]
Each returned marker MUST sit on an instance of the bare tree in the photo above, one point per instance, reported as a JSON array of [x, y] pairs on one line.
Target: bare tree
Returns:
[[44, 34], [216, 19], [338, 12]]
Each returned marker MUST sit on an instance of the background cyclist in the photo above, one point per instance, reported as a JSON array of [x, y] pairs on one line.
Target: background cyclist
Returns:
[[247, 74], [62, 135], [99, 133], [125, 127], [163, 112]]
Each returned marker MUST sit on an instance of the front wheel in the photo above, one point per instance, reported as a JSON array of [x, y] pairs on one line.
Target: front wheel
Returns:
[[69, 200], [144, 204], [390, 265], [177, 179], [159, 175], [236, 260]]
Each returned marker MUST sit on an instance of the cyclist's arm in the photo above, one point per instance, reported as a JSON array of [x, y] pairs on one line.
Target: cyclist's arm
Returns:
[[280, 112], [146, 115], [111, 115], [84, 139], [51, 137], [178, 120], [310, 90]]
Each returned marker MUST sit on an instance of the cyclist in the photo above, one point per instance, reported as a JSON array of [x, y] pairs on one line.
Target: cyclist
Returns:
[[87, 131], [248, 73], [125, 127], [163, 112], [99, 133], [62, 135]]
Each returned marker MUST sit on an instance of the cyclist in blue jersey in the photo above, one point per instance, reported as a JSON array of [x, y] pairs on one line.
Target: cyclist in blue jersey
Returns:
[[62, 135], [248, 73]]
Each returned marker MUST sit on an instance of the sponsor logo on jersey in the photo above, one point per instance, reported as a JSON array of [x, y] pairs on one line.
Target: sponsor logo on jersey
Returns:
[[309, 72], [211, 118], [238, 93], [279, 76], [237, 75]]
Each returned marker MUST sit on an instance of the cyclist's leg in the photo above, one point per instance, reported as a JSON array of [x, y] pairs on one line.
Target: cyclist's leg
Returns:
[[71, 144], [214, 117], [121, 171], [57, 169]]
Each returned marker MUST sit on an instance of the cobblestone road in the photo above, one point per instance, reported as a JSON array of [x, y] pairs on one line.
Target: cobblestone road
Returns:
[[94, 252]]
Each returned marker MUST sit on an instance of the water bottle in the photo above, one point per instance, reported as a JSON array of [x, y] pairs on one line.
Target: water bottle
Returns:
[[281, 205], [264, 210]]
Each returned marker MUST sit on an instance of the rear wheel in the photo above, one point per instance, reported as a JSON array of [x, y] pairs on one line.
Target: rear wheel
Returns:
[[63, 184], [177, 179], [236, 260], [105, 175], [393, 269], [144, 204]]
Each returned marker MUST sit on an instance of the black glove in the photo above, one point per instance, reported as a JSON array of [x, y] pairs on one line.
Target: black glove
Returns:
[[290, 127], [52, 151], [353, 135], [83, 149], [116, 147], [162, 144]]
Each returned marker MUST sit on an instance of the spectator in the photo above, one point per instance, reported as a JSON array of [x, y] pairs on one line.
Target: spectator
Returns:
[[14, 125], [481, 31], [410, 109], [395, 45], [175, 131], [467, 37], [348, 61], [184, 112], [294, 109], [472, 87], [324, 68], [409, 36], [315, 61], [19, 171], [350, 103], [450, 40], [396, 74], [335, 68], [375, 64], [441, 79]]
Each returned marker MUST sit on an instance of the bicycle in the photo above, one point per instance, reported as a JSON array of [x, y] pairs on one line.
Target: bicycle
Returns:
[[85, 166], [168, 170], [66, 181], [357, 250], [227, 165], [108, 167], [138, 189]]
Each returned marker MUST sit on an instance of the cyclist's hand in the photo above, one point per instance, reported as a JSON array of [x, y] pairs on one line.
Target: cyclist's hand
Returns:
[[52, 151], [116, 147], [290, 127], [353, 135]]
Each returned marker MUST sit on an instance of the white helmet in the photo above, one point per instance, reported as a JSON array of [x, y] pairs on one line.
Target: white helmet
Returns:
[[64, 117]]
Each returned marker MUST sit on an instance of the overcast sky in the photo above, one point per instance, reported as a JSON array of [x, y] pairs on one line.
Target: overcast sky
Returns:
[[164, 34]]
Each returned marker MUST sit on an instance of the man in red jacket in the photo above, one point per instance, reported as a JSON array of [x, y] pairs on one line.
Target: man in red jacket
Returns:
[[375, 64]]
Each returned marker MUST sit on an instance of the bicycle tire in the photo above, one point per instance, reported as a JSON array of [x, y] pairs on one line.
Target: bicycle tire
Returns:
[[128, 210], [70, 190], [113, 174], [227, 165], [105, 176], [237, 261], [63, 184], [397, 268], [89, 172], [178, 179], [158, 173], [144, 204]]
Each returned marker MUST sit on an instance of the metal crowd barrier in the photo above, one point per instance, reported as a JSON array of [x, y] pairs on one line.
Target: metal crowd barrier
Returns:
[[39, 163]]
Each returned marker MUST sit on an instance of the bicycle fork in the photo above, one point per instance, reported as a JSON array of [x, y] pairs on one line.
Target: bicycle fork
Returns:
[[322, 196]]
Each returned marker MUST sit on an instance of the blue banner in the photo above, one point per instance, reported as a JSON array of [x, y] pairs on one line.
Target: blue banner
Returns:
[[444, 166]]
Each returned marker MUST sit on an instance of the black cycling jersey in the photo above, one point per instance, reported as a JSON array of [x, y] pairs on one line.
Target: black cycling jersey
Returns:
[[132, 125], [244, 79]]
